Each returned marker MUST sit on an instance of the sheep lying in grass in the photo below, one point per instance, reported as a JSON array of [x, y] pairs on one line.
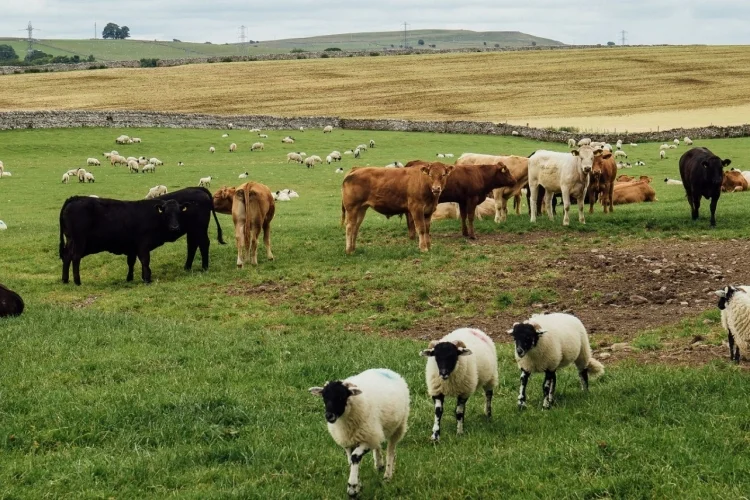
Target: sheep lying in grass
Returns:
[[672, 182], [288, 140], [156, 191], [263, 136], [363, 411], [244, 175], [734, 303], [687, 141], [458, 365], [339, 170], [548, 342]]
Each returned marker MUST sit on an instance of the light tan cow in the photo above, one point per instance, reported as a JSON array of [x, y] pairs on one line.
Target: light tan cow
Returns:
[[451, 210], [252, 208], [519, 169]]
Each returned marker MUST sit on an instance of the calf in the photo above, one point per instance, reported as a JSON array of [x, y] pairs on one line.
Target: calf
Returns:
[[602, 182], [252, 208], [702, 175], [11, 304], [413, 191], [633, 192], [519, 169], [733, 181]]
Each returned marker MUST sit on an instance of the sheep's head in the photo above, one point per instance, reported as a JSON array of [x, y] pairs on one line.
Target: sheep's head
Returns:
[[446, 355], [526, 336], [335, 395], [725, 295]]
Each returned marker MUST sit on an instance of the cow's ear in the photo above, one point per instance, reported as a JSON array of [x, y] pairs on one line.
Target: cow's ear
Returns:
[[598, 152], [726, 162], [425, 169], [448, 169], [606, 156], [574, 152]]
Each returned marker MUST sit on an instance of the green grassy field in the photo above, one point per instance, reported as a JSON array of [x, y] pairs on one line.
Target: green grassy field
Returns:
[[125, 50], [196, 385]]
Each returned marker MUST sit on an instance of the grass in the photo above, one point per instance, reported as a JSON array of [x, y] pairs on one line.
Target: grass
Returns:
[[196, 386], [125, 50], [516, 87]]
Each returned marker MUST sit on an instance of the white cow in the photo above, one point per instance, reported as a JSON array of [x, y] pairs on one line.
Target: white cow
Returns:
[[566, 173]]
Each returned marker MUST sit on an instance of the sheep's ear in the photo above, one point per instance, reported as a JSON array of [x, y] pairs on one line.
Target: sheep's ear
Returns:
[[459, 343], [509, 332], [316, 391], [355, 392], [538, 328], [721, 293], [463, 351], [427, 352]]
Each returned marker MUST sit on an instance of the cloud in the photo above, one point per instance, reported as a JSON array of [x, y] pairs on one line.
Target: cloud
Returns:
[[572, 21]]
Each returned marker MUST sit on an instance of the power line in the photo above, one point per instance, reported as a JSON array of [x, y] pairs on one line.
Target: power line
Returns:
[[406, 25], [243, 34], [30, 39], [622, 35]]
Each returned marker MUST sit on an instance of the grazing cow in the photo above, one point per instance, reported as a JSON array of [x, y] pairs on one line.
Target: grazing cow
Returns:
[[702, 174], [393, 191], [733, 181], [252, 207], [519, 169], [11, 304], [134, 228], [602, 181], [633, 192], [565, 173], [468, 186]]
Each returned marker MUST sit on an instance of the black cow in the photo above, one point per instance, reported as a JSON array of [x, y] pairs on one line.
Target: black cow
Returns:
[[11, 304], [133, 228], [702, 174]]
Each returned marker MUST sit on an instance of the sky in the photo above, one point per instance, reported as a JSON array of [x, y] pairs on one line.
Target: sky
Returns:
[[569, 21]]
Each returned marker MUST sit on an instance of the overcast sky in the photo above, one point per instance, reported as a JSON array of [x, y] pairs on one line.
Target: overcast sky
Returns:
[[569, 21]]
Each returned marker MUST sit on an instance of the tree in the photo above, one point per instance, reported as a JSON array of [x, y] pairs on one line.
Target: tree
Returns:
[[497, 45], [533, 44], [7, 53], [123, 33], [485, 43], [420, 42], [111, 30], [611, 44]]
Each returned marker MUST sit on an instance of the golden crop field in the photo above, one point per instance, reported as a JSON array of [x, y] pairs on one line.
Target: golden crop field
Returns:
[[623, 88]]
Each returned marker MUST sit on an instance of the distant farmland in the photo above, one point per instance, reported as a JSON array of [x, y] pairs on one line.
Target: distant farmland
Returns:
[[622, 88], [125, 50]]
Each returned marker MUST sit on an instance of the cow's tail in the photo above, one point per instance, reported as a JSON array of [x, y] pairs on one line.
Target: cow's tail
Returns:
[[251, 211], [218, 227], [62, 229], [343, 214]]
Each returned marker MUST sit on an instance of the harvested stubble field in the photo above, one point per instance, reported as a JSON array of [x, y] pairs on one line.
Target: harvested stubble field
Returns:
[[614, 88], [196, 386]]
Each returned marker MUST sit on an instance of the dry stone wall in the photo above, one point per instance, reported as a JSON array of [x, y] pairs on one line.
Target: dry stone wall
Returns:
[[123, 119]]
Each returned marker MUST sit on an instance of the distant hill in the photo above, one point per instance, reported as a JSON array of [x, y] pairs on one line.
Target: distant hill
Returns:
[[123, 50]]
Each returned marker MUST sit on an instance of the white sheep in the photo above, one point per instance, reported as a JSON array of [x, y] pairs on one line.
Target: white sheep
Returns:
[[257, 146], [292, 193], [132, 158], [458, 365], [672, 146], [620, 153], [328, 159], [662, 154], [640, 163], [372, 143], [288, 140], [356, 153], [584, 142], [302, 154], [212, 149], [440, 155], [232, 147], [395, 164], [363, 411], [156, 191], [3, 226], [148, 168], [327, 129], [348, 152], [571, 143], [6, 174], [81, 173], [136, 140], [294, 157], [335, 156], [302, 129], [107, 155], [515, 132], [244, 175], [230, 126], [739, 318], [688, 141], [65, 178], [633, 145], [310, 161], [133, 166], [339, 170], [73, 172], [156, 161], [89, 177], [224, 136], [254, 130], [281, 196], [672, 182], [205, 181], [263, 136], [115, 153], [449, 155], [676, 142], [362, 147], [663, 147], [548, 342], [93, 162], [608, 147]]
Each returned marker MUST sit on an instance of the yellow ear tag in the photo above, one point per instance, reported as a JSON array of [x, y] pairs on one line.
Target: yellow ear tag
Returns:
[[184, 209]]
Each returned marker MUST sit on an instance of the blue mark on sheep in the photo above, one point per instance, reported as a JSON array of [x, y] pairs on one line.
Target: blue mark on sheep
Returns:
[[388, 374]]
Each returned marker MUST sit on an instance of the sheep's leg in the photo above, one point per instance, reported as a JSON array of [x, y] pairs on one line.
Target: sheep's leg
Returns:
[[737, 355], [522, 392], [460, 410], [488, 402], [353, 486], [730, 339], [438, 400], [584, 375], [549, 389], [378, 459], [131, 266], [390, 460]]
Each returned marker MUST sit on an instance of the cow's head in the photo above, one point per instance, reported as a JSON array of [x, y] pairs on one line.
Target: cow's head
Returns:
[[438, 174], [526, 336], [503, 177], [169, 212], [335, 395], [446, 355], [714, 168], [586, 156], [223, 200]]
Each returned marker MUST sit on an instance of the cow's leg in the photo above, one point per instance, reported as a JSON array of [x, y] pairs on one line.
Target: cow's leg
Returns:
[[267, 239], [471, 210], [566, 206], [696, 205], [410, 226], [239, 238], [462, 208], [516, 203], [550, 379], [66, 265], [522, 391], [581, 203], [145, 257], [353, 487], [460, 411], [549, 199], [592, 200], [714, 201], [428, 226], [204, 244], [192, 246], [353, 221], [439, 400], [500, 206], [131, 266], [419, 223], [533, 193], [76, 269], [254, 233]]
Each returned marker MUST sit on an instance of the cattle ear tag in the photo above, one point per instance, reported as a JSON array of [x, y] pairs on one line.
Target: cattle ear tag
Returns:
[[159, 209], [184, 208]]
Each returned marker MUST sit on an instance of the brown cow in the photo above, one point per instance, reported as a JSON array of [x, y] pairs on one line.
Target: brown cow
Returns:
[[733, 181], [602, 181], [633, 192], [625, 178], [389, 191], [252, 208], [519, 169]]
